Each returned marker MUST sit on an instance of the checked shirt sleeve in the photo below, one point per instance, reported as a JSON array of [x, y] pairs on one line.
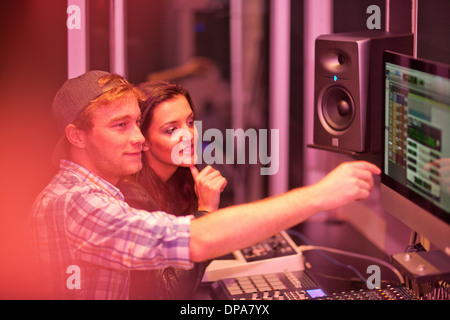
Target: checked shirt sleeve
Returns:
[[114, 235]]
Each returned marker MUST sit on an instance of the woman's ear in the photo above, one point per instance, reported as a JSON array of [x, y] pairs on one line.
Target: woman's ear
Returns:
[[75, 136]]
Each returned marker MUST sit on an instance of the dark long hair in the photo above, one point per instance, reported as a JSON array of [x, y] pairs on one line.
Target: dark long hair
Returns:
[[177, 195]]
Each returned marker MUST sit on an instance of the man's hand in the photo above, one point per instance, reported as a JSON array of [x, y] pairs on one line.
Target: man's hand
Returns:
[[348, 182]]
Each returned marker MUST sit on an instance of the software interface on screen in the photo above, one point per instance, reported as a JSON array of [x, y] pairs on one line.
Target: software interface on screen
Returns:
[[417, 125]]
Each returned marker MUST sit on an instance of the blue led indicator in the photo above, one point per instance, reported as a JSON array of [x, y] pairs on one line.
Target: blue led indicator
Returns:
[[335, 78]]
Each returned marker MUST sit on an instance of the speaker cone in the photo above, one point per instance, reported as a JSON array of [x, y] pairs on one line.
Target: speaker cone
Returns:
[[338, 109]]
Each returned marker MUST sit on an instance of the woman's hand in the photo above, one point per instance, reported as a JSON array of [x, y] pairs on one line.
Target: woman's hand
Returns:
[[209, 184]]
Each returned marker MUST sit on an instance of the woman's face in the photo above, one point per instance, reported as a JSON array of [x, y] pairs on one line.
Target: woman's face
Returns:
[[171, 137]]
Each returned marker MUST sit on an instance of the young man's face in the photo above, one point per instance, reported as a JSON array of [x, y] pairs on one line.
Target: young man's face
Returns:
[[114, 145]]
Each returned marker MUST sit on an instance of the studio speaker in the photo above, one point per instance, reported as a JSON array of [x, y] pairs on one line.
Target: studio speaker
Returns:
[[348, 93]]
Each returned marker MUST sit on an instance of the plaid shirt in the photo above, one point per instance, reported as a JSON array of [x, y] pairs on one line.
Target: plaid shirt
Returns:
[[87, 239]]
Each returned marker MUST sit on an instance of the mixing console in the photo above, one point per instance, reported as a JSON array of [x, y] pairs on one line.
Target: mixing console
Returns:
[[272, 255], [273, 247], [296, 285], [390, 293]]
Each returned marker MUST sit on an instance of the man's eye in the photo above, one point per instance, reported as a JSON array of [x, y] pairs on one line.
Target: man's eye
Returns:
[[120, 125]]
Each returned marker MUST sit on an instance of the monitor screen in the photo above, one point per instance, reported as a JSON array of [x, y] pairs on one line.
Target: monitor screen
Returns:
[[415, 181]]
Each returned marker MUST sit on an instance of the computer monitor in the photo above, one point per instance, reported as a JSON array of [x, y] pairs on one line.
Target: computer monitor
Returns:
[[415, 179]]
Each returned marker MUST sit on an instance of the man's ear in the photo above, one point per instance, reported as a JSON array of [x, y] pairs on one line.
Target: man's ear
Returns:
[[75, 136]]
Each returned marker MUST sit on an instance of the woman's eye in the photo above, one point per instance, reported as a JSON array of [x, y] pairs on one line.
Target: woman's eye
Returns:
[[170, 130]]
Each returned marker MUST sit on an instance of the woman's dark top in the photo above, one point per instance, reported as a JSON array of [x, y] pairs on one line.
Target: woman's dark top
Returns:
[[160, 284]]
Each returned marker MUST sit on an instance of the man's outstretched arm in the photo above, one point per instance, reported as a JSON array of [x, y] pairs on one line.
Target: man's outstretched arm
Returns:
[[243, 225]]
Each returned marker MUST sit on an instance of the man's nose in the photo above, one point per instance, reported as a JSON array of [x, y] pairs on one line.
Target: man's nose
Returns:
[[136, 136]]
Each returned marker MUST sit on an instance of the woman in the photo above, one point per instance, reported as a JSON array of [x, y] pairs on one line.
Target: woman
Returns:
[[170, 182]]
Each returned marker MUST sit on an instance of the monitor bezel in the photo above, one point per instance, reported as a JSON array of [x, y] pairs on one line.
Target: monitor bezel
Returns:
[[427, 66]]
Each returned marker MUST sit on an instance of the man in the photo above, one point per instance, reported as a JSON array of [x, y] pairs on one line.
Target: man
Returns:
[[87, 238]]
